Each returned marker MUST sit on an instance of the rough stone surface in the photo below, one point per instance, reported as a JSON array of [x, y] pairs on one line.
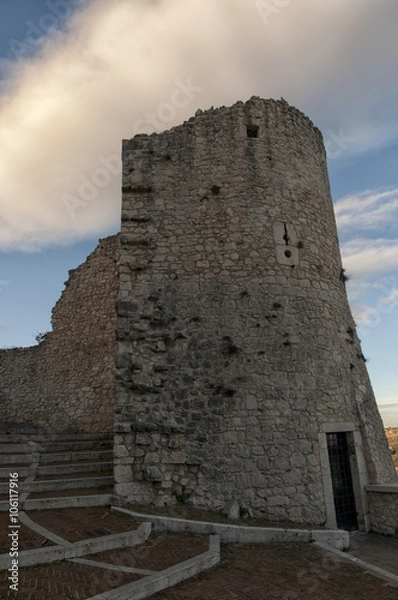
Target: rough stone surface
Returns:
[[232, 510], [67, 382], [383, 512], [236, 345]]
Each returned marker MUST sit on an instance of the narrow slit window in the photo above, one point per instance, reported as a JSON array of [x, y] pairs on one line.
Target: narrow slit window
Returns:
[[252, 131]]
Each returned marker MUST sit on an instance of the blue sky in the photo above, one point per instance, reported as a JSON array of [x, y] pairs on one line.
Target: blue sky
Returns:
[[77, 76]]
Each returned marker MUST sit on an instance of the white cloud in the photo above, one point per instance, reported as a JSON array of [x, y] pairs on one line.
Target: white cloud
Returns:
[[388, 405], [371, 263], [368, 211], [368, 226], [390, 299], [64, 112], [371, 308], [372, 298], [364, 258]]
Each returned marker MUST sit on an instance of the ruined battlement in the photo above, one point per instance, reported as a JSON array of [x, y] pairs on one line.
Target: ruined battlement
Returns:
[[67, 382]]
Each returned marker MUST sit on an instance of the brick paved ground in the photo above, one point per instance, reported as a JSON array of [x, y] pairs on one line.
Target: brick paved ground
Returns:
[[27, 538], [63, 581], [67, 580], [272, 572], [160, 552], [281, 572], [74, 524], [378, 550]]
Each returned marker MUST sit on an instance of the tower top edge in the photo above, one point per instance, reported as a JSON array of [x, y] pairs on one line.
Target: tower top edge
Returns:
[[265, 105]]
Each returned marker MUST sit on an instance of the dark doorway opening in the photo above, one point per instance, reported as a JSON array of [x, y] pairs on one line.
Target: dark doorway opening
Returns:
[[343, 490]]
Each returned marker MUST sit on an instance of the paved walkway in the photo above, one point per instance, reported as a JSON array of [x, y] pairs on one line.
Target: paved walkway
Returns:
[[76, 524], [280, 572], [378, 550], [283, 572]]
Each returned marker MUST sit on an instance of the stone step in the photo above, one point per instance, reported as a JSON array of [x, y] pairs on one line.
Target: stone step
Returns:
[[76, 475], [23, 448], [15, 459], [55, 446], [64, 469], [62, 457], [73, 501], [59, 484], [75, 446], [106, 489], [58, 457], [17, 438]]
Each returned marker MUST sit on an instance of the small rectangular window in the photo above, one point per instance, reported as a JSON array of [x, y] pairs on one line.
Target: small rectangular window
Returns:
[[252, 131]]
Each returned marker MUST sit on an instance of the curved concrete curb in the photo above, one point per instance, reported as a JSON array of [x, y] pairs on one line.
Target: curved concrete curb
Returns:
[[376, 571], [29, 558], [144, 588], [238, 534], [46, 533]]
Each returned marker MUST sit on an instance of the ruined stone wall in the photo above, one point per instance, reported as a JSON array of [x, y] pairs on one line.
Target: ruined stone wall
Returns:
[[236, 345], [68, 381]]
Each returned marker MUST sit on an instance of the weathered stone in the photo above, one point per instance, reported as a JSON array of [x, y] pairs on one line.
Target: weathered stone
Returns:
[[173, 457], [153, 474], [123, 473], [142, 439], [232, 510], [152, 458], [121, 451]]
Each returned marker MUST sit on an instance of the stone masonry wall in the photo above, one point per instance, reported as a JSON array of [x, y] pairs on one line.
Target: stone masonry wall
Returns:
[[68, 381], [236, 344], [383, 511]]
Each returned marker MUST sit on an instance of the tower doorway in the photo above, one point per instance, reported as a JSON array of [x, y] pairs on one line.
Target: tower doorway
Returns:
[[343, 489]]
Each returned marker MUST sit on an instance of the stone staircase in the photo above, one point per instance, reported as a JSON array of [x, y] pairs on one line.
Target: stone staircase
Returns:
[[57, 470]]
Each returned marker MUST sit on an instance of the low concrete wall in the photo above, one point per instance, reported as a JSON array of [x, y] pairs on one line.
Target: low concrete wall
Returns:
[[52, 554], [376, 571], [148, 586], [235, 534], [383, 508]]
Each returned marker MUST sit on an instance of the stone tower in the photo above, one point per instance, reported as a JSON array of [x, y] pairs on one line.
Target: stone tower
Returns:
[[239, 372]]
